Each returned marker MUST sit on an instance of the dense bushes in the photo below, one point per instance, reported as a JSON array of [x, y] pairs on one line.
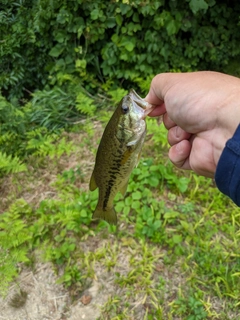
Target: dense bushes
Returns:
[[61, 59], [112, 44]]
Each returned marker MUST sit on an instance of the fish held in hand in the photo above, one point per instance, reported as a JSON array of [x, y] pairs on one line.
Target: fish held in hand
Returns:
[[118, 153]]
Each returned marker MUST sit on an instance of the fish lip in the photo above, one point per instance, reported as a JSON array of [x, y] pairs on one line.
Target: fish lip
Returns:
[[148, 110], [145, 106]]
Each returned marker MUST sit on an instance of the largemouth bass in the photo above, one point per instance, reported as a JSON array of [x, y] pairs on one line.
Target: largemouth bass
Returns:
[[118, 153]]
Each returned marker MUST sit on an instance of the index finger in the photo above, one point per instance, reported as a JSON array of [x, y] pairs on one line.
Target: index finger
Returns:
[[157, 111]]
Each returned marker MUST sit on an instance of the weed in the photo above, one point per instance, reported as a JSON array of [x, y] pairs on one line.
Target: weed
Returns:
[[175, 250]]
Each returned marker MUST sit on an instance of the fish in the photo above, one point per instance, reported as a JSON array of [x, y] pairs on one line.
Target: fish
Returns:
[[118, 153]]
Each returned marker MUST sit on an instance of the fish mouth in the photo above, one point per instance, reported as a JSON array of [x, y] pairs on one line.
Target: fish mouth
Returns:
[[146, 107]]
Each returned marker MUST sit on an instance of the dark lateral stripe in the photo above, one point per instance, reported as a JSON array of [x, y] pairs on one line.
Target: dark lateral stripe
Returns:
[[108, 191], [115, 168]]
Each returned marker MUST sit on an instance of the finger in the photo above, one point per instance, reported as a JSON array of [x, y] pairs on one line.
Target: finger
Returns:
[[158, 88], [177, 134], [158, 111], [153, 95], [202, 162], [168, 123], [179, 154]]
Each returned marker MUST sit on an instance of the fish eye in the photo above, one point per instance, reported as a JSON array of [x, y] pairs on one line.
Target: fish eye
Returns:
[[125, 109]]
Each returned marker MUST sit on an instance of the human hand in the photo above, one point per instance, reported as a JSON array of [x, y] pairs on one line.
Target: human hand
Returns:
[[201, 111]]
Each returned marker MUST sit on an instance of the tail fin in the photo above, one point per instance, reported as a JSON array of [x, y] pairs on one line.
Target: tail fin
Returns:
[[108, 215]]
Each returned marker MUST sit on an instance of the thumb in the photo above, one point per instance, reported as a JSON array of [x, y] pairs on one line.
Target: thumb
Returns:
[[152, 98], [157, 88]]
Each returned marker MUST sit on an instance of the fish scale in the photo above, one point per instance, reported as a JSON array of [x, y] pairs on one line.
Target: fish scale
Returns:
[[118, 153]]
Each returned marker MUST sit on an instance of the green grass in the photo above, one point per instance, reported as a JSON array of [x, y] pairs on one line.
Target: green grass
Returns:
[[175, 252]]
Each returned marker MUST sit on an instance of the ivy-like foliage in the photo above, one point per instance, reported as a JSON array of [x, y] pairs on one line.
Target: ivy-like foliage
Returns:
[[69, 57], [113, 43], [23, 55]]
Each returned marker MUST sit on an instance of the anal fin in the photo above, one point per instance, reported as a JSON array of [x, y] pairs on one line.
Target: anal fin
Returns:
[[124, 189], [92, 183]]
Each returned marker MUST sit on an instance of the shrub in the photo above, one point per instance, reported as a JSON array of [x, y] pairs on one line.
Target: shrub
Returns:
[[113, 44]]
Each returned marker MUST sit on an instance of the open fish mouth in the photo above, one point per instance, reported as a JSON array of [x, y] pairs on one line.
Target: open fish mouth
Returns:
[[144, 105]]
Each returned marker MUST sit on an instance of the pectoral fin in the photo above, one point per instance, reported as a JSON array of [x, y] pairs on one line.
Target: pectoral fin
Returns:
[[138, 158], [92, 184], [126, 155], [132, 143]]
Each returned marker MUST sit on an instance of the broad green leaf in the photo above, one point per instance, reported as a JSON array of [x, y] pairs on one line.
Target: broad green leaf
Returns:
[[136, 17], [129, 46], [171, 27], [157, 224], [94, 14], [126, 210], [81, 63], [119, 19], [60, 36], [176, 238], [153, 181], [136, 195], [56, 51], [197, 5], [111, 22], [115, 38]]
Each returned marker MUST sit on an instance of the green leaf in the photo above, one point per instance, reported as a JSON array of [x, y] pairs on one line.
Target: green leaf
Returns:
[[117, 94], [136, 195], [94, 14], [81, 63], [10, 164], [153, 181], [136, 17], [72, 247], [129, 46], [157, 224], [171, 27], [171, 214], [115, 38], [136, 205], [127, 42], [85, 104], [84, 213], [110, 22], [56, 51], [126, 210], [60, 36], [197, 5], [119, 19], [120, 206], [176, 238], [182, 184]]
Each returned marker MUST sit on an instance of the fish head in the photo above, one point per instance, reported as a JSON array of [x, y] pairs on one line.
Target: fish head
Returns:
[[132, 112]]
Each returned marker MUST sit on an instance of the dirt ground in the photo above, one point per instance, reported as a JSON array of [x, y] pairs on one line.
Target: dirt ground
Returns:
[[47, 300], [43, 298]]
